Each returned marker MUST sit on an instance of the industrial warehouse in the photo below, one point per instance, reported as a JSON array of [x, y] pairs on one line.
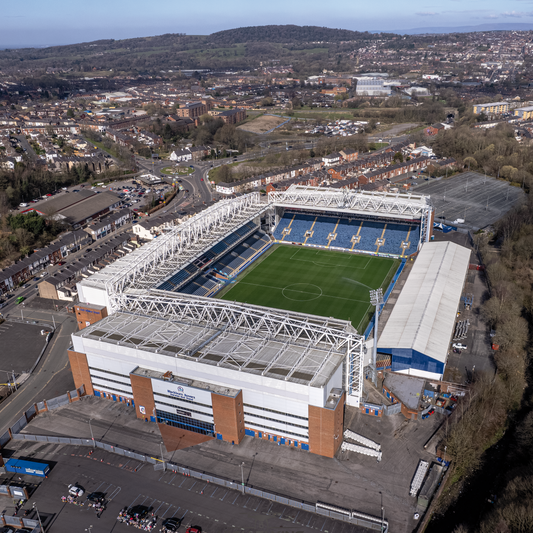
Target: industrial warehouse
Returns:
[[209, 347]]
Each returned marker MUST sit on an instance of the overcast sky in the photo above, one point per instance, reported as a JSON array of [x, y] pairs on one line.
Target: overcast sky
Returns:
[[39, 23]]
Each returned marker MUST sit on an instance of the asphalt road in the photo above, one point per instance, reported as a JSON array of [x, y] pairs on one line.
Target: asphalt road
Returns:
[[26, 147], [53, 363]]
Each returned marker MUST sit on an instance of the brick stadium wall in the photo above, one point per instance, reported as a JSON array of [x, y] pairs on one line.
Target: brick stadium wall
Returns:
[[86, 313], [324, 426], [228, 414], [80, 371], [143, 396]]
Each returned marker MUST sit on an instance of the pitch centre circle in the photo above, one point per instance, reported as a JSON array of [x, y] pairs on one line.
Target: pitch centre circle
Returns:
[[302, 292]]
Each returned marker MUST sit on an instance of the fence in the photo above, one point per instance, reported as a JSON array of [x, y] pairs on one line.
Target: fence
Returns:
[[393, 409], [57, 402], [390, 288], [26, 522]]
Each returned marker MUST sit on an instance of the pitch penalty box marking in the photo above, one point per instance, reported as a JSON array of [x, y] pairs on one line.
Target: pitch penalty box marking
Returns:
[[305, 292], [318, 263]]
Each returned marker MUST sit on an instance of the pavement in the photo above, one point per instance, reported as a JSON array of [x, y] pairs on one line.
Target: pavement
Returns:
[[349, 480]]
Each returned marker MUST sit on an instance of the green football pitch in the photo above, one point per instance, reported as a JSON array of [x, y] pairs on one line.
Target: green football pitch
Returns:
[[317, 282]]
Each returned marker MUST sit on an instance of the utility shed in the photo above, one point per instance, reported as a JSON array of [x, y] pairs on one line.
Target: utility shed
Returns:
[[420, 326]]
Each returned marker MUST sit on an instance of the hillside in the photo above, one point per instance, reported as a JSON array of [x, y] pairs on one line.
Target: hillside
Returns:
[[287, 33], [311, 47]]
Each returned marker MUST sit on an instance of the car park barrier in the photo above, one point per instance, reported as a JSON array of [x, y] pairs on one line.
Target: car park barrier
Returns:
[[347, 446], [420, 475], [349, 434]]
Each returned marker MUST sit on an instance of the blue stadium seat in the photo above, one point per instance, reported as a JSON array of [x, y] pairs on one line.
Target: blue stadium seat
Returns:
[[367, 231]]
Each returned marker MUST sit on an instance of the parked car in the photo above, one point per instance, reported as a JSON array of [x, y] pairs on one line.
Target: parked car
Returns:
[[23, 205], [459, 346], [171, 524], [76, 490], [96, 497]]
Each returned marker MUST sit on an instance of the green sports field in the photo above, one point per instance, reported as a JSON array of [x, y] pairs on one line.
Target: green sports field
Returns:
[[317, 282]]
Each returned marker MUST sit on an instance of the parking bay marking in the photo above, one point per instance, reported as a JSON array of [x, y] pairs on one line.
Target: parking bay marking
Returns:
[[114, 494]]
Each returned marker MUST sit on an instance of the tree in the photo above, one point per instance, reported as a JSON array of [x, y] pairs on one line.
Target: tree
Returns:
[[24, 237], [224, 174], [398, 157], [70, 113]]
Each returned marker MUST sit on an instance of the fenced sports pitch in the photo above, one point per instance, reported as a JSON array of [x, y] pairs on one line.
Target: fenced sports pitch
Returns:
[[477, 199]]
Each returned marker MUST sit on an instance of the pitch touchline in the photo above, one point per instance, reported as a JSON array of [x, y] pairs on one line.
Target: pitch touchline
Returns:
[[304, 292], [292, 258]]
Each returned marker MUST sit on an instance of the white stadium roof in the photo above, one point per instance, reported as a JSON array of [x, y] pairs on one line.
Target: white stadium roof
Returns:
[[274, 356], [384, 204], [423, 318]]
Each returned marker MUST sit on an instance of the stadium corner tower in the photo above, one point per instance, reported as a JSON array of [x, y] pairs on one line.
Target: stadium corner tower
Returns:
[[155, 333]]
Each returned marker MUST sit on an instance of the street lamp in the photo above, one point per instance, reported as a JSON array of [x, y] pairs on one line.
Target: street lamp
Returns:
[[162, 459], [242, 477], [382, 514], [376, 299], [92, 436], [39, 517]]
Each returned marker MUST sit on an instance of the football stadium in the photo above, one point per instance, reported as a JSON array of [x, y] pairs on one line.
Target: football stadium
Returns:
[[252, 317]]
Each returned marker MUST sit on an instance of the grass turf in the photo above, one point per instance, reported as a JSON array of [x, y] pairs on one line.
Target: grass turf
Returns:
[[317, 282]]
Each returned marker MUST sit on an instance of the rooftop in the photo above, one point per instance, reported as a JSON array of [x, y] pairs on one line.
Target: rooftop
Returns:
[[424, 315], [407, 389], [232, 347]]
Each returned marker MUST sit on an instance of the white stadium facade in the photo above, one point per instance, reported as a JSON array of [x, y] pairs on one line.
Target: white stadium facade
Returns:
[[214, 369]]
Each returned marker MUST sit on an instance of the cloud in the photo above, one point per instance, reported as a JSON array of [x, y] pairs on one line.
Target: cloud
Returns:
[[516, 14], [426, 14], [492, 17]]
